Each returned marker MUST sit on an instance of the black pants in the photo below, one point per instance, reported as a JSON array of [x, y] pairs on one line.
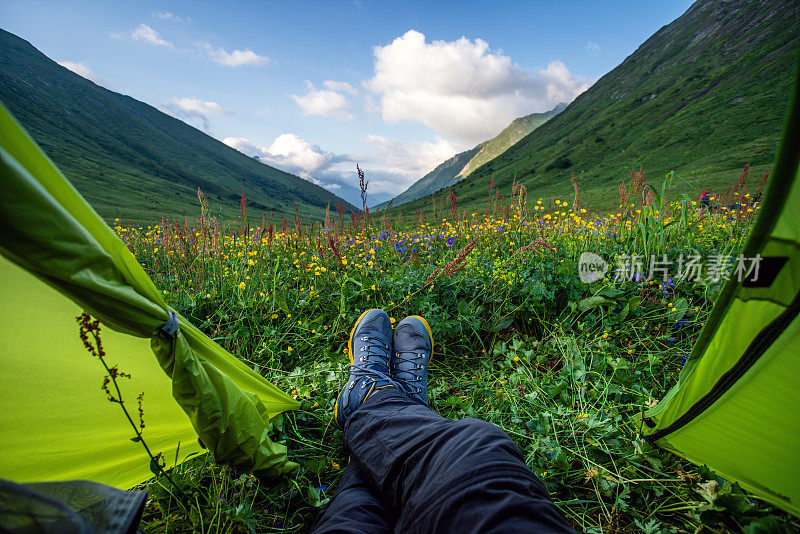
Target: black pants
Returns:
[[412, 470]]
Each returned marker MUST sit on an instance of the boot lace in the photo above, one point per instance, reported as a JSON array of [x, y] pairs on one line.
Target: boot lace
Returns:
[[415, 365], [375, 369]]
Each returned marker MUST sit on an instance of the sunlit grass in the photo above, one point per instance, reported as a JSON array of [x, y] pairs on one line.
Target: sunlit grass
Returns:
[[560, 365]]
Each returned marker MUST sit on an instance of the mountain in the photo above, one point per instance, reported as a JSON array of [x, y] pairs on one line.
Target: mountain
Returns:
[[702, 96], [515, 131], [130, 160], [461, 165], [442, 176]]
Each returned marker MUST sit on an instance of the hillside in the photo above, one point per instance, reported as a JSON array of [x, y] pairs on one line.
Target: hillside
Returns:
[[130, 160], [461, 165], [442, 176], [515, 131], [702, 96]]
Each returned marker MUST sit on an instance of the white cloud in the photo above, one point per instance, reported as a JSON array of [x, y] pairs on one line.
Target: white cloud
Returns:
[[203, 107], [194, 111], [323, 102], [336, 172], [342, 87], [81, 69], [166, 15], [236, 58], [288, 152], [462, 89], [414, 159], [592, 48], [145, 33]]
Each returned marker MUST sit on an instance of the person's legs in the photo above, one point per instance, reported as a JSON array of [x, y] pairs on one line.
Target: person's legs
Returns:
[[433, 474], [440, 475], [354, 508]]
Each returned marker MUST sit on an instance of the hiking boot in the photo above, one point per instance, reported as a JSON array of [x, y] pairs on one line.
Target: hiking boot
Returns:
[[370, 347], [412, 352]]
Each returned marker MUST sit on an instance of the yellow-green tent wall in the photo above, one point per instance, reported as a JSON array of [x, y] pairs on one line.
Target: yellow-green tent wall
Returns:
[[57, 259], [736, 407]]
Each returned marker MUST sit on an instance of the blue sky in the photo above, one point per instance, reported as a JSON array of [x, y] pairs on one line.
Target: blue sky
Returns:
[[314, 87]]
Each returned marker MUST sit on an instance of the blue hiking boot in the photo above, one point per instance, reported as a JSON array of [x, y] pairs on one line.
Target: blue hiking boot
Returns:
[[412, 353], [370, 347]]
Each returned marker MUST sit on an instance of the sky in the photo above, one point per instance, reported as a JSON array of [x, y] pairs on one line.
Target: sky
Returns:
[[315, 87]]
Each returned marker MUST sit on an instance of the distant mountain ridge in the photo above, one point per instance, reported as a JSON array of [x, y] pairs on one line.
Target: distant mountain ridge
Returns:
[[702, 96], [462, 165], [519, 128], [442, 176], [130, 160]]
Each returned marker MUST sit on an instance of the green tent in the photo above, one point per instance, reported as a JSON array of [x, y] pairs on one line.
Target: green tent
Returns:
[[57, 259], [736, 406]]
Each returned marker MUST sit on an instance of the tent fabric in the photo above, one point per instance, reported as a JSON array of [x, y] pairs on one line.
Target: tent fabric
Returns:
[[59, 258], [736, 406]]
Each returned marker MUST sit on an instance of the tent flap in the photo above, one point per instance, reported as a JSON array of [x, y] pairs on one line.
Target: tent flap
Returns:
[[736, 406], [62, 248]]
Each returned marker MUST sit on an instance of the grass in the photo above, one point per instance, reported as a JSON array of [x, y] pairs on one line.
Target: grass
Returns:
[[563, 367]]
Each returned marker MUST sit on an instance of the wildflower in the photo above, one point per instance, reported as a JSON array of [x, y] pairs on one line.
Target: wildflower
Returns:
[[290, 348], [516, 358], [372, 287], [450, 241], [335, 466], [392, 320], [208, 295], [274, 316], [589, 474], [583, 415], [241, 285]]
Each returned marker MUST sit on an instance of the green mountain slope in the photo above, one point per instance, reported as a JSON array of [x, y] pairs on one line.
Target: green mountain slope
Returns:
[[702, 96], [440, 177], [461, 165], [130, 160], [515, 131]]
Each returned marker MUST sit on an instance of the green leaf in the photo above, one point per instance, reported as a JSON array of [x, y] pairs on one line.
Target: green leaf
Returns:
[[280, 301], [501, 323], [155, 468], [590, 303]]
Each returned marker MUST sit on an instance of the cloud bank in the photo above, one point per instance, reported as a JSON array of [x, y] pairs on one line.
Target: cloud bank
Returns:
[[194, 110], [462, 89], [145, 33], [328, 102], [235, 58]]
